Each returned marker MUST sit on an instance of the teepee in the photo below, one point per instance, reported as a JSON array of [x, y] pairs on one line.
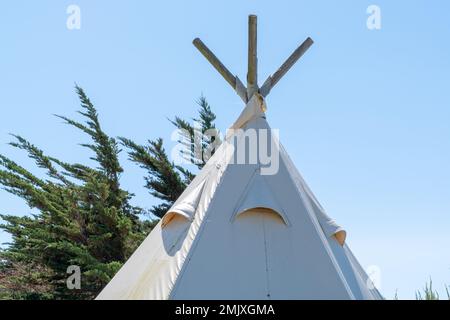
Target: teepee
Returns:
[[248, 226]]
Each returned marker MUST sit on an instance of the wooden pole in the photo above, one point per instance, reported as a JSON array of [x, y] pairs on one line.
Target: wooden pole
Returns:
[[204, 50], [293, 58], [252, 75]]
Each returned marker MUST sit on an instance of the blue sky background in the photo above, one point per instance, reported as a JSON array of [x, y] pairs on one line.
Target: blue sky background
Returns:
[[364, 115]]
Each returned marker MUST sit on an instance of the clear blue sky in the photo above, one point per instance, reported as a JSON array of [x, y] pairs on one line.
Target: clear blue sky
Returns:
[[365, 114]]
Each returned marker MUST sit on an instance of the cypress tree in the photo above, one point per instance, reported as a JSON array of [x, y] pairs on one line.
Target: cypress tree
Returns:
[[166, 180], [84, 217]]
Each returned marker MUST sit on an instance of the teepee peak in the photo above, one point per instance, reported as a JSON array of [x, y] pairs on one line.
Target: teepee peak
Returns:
[[254, 109]]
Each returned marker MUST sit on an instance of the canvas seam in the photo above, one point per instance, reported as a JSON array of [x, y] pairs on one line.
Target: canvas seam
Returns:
[[320, 232], [199, 233], [195, 241]]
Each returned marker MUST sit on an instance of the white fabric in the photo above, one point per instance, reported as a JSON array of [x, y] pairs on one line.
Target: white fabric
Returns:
[[253, 110], [237, 234], [329, 226], [258, 195], [186, 205]]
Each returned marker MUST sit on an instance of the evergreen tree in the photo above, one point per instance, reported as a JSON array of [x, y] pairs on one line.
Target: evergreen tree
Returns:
[[165, 180], [84, 218]]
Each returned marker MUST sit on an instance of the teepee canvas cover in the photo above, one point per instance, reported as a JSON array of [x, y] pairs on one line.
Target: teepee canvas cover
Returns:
[[244, 231]]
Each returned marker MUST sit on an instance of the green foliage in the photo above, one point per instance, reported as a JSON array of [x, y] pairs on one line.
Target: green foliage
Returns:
[[428, 292], [24, 281], [201, 139], [165, 180], [84, 218]]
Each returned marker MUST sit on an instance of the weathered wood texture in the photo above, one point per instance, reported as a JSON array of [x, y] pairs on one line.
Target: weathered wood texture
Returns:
[[241, 90], [204, 50], [293, 58], [252, 75]]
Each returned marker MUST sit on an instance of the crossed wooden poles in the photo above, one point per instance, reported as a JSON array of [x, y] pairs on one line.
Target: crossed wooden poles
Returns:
[[252, 75]]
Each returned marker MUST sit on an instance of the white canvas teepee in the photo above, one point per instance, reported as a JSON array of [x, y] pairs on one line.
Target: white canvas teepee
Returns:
[[244, 229]]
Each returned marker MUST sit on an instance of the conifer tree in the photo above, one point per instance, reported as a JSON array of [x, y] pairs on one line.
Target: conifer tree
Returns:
[[165, 180], [84, 218]]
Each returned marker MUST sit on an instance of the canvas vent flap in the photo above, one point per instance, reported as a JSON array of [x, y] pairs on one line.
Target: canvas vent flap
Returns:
[[328, 225], [186, 205], [259, 195]]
